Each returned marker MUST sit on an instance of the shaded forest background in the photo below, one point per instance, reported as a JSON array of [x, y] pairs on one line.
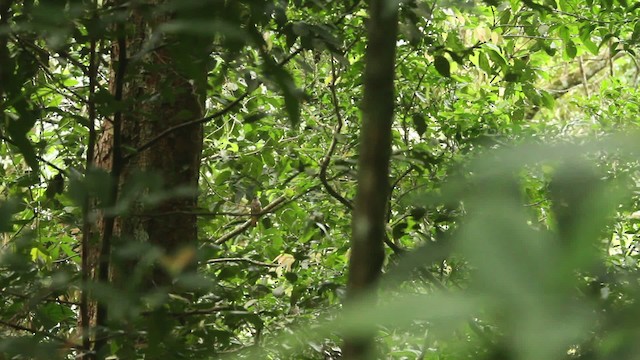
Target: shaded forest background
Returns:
[[308, 179]]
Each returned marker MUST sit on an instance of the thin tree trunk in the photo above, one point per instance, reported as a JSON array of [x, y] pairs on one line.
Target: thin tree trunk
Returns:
[[368, 224]]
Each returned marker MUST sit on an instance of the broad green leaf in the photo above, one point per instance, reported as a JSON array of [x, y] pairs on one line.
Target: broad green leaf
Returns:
[[585, 36], [442, 65], [570, 49], [483, 62]]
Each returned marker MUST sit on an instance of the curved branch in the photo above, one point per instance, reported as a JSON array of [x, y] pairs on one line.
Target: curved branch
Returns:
[[334, 142]]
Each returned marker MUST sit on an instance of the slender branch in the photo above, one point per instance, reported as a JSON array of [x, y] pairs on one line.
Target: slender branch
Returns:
[[584, 77], [393, 246], [45, 67], [409, 107], [40, 298], [334, 142], [208, 311], [590, 20], [522, 36], [218, 213], [15, 235], [247, 224], [205, 213], [240, 259], [276, 204], [569, 81], [60, 170], [402, 176], [201, 213], [67, 342], [62, 53]]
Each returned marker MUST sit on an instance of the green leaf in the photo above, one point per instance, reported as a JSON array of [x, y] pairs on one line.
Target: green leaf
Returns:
[[419, 123], [570, 49], [562, 5], [291, 277], [442, 65], [547, 100], [292, 105], [496, 57], [531, 94], [505, 16], [18, 127], [483, 63], [564, 34], [418, 213], [635, 37], [291, 93], [51, 314], [585, 36], [251, 118], [511, 77]]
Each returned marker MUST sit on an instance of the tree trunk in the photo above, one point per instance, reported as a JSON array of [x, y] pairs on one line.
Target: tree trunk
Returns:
[[153, 82], [368, 224]]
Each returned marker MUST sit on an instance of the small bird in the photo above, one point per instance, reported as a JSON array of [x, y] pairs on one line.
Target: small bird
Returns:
[[256, 208]]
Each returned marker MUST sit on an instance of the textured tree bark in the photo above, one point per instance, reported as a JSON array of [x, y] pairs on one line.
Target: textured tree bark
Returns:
[[368, 224], [158, 92]]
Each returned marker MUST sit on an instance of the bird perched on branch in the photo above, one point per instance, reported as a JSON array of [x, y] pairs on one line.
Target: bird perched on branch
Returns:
[[256, 209]]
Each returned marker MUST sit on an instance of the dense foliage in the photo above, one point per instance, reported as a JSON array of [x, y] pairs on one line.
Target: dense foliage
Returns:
[[512, 217]]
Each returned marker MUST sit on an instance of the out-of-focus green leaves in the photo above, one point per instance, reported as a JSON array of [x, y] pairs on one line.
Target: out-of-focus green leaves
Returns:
[[531, 246], [7, 209]]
